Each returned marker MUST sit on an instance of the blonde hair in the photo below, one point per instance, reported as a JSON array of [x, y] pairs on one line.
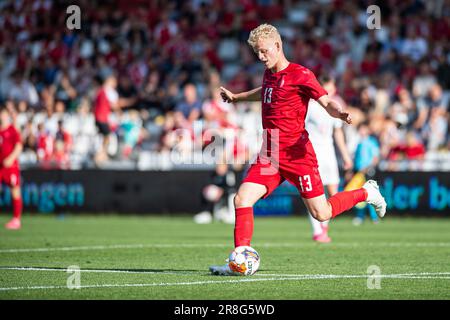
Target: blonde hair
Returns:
[[263, 31]]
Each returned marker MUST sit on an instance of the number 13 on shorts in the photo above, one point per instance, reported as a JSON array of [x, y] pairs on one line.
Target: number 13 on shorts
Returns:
[[305, 183]]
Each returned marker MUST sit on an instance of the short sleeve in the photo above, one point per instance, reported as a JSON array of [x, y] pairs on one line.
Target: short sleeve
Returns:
[[337, 123], [112, 95], [309, 84]]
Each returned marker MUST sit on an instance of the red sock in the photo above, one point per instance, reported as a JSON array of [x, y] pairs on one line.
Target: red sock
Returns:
[[243, 228], [346, 200], [17, 208]]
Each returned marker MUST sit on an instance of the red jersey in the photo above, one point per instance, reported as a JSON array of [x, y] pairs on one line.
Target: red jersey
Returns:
[[9, 137], [285, 95], [102, 108]]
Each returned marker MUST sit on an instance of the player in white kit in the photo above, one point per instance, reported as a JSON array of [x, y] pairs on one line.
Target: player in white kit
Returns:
[[323, 130]]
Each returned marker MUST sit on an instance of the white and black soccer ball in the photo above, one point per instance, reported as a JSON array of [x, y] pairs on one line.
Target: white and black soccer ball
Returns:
[[244, 260]]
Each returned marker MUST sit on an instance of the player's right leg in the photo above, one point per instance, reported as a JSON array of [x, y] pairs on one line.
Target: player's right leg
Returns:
[[246, 197], [262, 178], [248, 194]]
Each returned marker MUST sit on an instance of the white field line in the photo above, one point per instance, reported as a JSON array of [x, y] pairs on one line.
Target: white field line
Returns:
[[190, 273], [219, 245], [252, 279]]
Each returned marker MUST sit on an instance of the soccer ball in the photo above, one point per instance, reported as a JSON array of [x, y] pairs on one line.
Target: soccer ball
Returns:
[[244, 260]]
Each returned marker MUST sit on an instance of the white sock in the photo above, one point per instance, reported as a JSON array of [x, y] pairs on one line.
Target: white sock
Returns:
[[315, 224], [325, 223]]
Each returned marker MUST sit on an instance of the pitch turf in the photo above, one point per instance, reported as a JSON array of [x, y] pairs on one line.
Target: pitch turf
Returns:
[[134, 257]]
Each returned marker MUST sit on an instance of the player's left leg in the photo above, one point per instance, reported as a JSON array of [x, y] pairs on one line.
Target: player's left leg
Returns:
[[309, 183], [320, 229], [323, 209], [332, 189], [13, 180], [329, 174]]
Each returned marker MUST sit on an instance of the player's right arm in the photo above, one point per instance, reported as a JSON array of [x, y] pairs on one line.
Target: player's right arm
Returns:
[[334, 109], [9, 160], [252, 95]]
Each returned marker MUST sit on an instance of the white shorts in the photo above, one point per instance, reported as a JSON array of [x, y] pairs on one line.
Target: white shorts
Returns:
[[328, 167]]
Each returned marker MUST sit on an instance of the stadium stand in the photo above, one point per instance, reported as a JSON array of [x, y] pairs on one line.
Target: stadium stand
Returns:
[[169, 58]]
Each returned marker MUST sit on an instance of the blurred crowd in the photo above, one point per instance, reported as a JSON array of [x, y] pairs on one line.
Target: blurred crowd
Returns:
[[159, 64]]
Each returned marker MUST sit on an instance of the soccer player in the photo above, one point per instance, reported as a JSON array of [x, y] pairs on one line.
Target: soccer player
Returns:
[[287, 153], [10, 148], [322, 130], [215, 196], [106, 101]]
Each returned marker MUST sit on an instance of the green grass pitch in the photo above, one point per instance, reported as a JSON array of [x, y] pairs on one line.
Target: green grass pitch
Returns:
[[167, 257]]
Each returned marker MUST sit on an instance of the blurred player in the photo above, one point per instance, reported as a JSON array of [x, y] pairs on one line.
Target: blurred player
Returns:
[[322, 129], [287, 153], [10, 148], [215, 196], [107, 101]]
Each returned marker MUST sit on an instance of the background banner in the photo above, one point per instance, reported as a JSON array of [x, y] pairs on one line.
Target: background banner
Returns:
[[417, 193]]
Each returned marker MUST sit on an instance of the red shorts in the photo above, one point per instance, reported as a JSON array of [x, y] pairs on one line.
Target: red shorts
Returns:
[[10, 176], [305, 177]]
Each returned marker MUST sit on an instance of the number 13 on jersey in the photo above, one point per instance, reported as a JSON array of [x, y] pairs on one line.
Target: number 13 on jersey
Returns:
[[268, 95], [305, 183]]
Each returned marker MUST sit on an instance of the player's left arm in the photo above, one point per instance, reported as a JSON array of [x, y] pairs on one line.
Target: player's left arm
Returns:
[[9, 160], [334, 109], [342, 146]]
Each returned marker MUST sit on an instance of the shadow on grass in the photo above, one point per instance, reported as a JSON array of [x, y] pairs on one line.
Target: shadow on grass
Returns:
[[103, 270]]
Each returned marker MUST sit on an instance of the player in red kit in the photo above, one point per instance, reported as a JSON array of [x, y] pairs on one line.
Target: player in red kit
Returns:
[[287, 152], [10, 148]]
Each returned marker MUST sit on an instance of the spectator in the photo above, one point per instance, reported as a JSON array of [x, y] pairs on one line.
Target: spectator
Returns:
[[436, 98], [411, 149], [396, 77], [435, 131], [403, 110], [216, 112], [64, 137], [414, 46], [44, 149], [423, 81], [130, 126], [20, 89], [367, 156], [65, 91], [443, 71], [29, 137], [188, 110]]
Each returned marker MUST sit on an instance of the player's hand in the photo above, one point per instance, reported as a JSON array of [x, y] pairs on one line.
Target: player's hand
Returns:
[[8, 162], [227, 95], [348, 164], [345, 116]]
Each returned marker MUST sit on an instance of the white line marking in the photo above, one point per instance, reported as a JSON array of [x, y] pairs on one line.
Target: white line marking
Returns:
[[192, 283], [219, 245], [381, 275], [190, 273]]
